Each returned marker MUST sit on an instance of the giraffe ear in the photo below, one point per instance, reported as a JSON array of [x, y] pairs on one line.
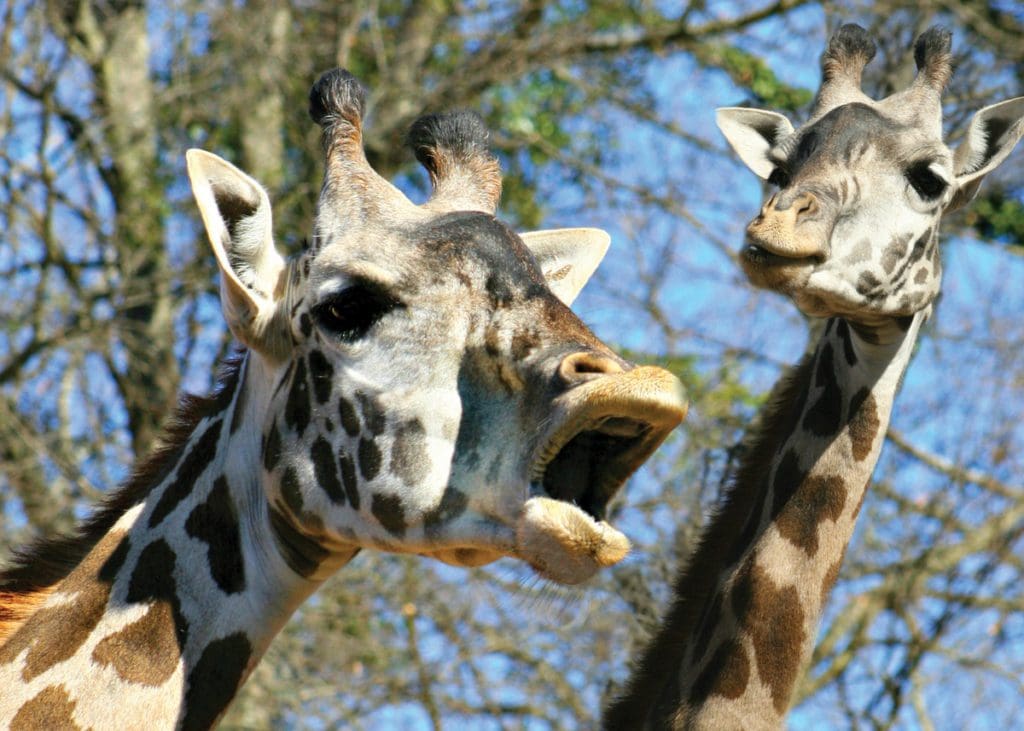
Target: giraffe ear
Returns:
[[236, 213], [568, 257], [990, 138], [751, 133]]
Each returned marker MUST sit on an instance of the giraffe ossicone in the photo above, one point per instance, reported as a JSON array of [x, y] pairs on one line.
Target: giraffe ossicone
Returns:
[[851, 236], [413, 381]]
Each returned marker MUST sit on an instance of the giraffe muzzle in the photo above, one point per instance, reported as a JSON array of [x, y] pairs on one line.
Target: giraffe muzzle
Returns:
[[603, 431]]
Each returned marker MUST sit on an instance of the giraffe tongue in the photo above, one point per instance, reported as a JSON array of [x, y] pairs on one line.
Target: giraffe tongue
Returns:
[[564, 544]]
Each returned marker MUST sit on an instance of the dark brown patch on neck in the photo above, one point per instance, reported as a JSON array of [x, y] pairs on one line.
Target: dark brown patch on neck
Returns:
[[54, 634], [843, 331], [192, 467], [52, 708], [774, 618], [146, 651], [831, 576], [824, 416], [727, 674], [814, 501], [214, 680], [215, 522], [864, 424], [153, 581], [48, 561]]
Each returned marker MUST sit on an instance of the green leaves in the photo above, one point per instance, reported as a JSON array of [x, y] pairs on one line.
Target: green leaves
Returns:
[[751, 72], [998, 216]]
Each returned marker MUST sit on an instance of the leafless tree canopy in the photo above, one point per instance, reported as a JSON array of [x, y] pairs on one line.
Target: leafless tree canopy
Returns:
[[602, 115]]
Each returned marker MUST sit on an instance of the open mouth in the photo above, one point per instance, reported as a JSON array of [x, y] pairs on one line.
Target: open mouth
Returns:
[[587, 466], [606, 430]]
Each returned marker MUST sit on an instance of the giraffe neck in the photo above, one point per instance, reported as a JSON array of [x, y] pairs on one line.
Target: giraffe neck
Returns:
[[746, 607], [177, 600]]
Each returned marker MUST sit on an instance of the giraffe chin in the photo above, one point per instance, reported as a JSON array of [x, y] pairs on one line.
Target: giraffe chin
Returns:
[[564, 544]]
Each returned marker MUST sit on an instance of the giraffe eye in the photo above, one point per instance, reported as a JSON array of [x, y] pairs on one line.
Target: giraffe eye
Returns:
[[350, 313], [779, 178], [923, 180]]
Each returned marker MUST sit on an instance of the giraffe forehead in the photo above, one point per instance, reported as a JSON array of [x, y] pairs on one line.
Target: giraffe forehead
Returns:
[[850, 132], [471, 247]]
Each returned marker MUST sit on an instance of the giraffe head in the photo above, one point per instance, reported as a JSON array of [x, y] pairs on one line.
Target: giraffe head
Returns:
[[429, 389], [852, 228]]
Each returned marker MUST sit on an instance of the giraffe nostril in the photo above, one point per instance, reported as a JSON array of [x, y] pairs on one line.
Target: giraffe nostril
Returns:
[[583, 366], [807, 205]]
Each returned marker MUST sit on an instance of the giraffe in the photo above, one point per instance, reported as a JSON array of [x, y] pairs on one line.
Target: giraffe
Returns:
[[850, 235], [414, 382]]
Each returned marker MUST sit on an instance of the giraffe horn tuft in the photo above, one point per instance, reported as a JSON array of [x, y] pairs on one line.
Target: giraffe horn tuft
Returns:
[[849, 50], [934, 58], [337, 97], [352, 193], [454, 147]]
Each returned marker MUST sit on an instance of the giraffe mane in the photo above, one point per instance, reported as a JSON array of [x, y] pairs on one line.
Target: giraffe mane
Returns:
[[35, 569]]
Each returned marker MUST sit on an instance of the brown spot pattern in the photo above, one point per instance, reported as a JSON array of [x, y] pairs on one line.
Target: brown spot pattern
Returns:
[[524, 343], [348, 479], [326, 470], [54, 634], [388, 509], [297, 410], [830, 578], [894, 252], [52, 708], [146, 651], [864, 424], [788, 477], [453, 504], [290, 491], [322, 374], [153, 581], [216, 523], [727, 674], [816, 500], [369, 459], [191, 468], [823, 417], [214, 680], [373, 415], [409, 458], [775, 620], [349, 417]]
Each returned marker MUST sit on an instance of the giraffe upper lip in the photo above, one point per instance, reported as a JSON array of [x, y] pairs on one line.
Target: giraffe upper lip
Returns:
[[611, 425]]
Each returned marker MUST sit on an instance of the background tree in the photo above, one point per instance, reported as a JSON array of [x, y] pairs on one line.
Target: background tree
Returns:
[[602, 116]]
